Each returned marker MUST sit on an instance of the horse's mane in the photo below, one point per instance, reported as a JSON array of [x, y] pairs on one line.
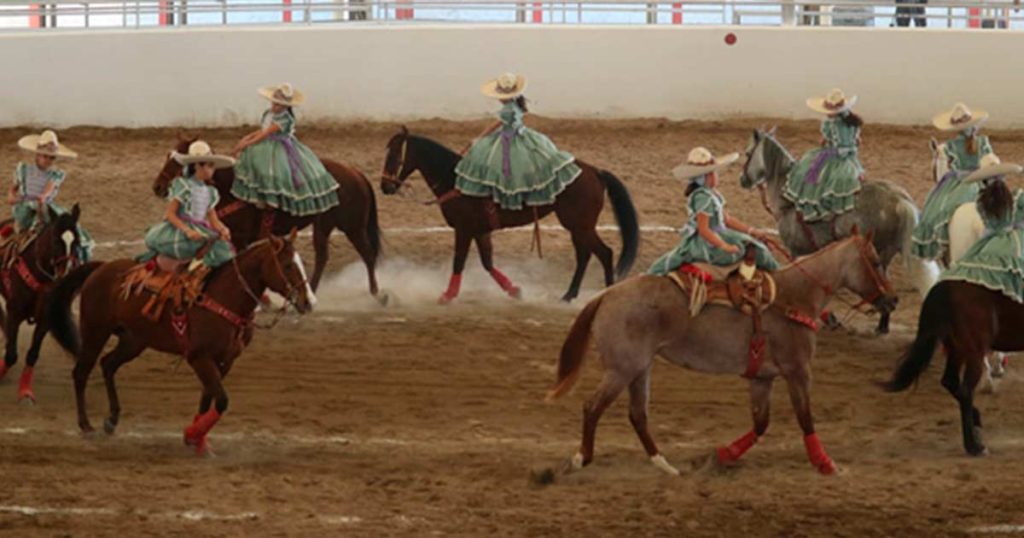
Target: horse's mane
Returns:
[[245, 253], [435, 147]]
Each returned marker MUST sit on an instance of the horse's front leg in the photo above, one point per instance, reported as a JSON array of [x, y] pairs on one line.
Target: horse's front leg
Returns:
[[213, 390], [31, 358], [11, 325], [760, 408], [799, 382], [462, 243]]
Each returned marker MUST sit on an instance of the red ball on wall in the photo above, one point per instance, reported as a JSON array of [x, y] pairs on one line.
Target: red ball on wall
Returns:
[[730, 38]]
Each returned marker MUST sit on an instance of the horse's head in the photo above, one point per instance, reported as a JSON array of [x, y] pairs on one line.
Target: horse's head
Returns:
[[755, 166], [396, 166], [58, 243], [285, 274], [940, 162], [171, 168], [865, 275]]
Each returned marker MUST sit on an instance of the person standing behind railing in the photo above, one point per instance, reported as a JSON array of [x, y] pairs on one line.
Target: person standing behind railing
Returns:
[[904, 13]]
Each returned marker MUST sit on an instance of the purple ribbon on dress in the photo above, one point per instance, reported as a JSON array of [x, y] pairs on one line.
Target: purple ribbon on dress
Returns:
[[949, 175], [294, 159], [506, 151], [819, 163]]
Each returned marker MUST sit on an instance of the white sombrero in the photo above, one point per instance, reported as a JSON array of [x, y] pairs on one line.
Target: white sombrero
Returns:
[[833, 103], [200, 152], [700, 161], [959, 118], [507, 86], [991, 167], [285, 94], [46, 144]]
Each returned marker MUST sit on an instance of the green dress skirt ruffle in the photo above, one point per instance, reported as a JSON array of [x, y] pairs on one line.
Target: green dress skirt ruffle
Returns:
[[996, 261], [931, 236]]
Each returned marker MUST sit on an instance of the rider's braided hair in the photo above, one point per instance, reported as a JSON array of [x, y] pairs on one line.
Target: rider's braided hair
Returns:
[[995, 199]]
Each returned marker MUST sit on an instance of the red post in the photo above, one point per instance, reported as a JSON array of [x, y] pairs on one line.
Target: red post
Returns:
[[286, 15], [35, 20], [677, 13], [405, 13], [164, 17], [973, 19], [538, 13]]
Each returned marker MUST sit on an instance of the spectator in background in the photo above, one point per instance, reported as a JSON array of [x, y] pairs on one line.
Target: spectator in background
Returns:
[[904, 13]]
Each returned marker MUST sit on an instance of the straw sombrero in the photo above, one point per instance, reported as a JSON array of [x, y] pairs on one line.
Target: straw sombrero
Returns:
[[991, 167], [700, 161], [959, 118], [200, 152], [46, 144], [833, 103], [284, 94], [507, 86]]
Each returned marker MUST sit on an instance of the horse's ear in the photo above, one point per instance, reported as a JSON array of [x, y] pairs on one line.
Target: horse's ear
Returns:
[[76, 212], [292, 235], [934, 144], [53, 214], [870, 238], [855, 230], [757, 134], [771, 132], [405, 131]]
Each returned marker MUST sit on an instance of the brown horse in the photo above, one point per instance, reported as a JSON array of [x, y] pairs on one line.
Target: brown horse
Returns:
[[27, 277], [355, 215], [647, 316], [214, 332], [970, 321], [473, 219]]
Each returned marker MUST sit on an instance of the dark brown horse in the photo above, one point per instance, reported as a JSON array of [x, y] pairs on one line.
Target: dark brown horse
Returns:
[[969, 321], [355, 215], [216, 329], [473, 218], [26, 277]]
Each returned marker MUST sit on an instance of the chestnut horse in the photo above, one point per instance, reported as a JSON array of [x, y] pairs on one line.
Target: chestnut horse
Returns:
[[355, 215], [969, 321], [25, 283], [646, 316], [474, 218], [213, 334]]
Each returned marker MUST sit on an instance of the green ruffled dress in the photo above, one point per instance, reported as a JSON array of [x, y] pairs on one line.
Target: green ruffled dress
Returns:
[[282, 172], [515, 165], [195, 201], [693, 248], [31, 182], [825, 182], [996, 261], [931, 236]]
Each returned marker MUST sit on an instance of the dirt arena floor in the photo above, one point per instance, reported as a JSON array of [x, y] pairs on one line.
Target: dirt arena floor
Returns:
[[423, 420]]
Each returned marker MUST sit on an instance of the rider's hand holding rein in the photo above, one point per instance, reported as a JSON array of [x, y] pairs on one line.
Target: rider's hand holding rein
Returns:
[[261, 134]]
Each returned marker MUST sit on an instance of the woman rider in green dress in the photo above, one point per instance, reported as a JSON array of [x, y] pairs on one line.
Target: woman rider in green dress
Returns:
[[275, 169], [711, 235], [36, 185], [996, 261], [191, 223], [825, 182], [510, 163], [963, 153]]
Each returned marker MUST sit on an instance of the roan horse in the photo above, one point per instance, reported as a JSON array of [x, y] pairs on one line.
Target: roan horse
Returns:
[[355, 215], [219, 324], [27, 276], [646, 316], [883, 208], [474, 218]]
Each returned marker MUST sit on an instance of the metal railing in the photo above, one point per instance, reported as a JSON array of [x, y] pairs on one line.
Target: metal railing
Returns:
[[178, 13]]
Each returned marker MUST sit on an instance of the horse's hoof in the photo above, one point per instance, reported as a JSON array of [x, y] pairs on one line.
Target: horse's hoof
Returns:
[[26, 397], [87, 431], [109, 426], [383, 298], [977, 451], [827, 468], [567, 298], [445, 299], [515, 292], [661, 463]]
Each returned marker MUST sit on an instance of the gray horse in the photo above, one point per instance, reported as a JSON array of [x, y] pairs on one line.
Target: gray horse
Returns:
[[644, 316], [883, 208]]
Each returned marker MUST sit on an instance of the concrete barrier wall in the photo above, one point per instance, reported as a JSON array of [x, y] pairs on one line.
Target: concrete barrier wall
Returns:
[[207, 77]]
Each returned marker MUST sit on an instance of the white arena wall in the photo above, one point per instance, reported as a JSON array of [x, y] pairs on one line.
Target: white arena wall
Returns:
[[207, 76]]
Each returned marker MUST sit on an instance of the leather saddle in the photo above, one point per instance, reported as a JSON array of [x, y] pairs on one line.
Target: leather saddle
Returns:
[[166, 281]]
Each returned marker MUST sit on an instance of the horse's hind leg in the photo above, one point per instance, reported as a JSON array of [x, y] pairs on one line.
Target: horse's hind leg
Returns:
[[639, 391], [11, 325], [127, 349], [92, 345], [606, 392], [486, 249], [799, 383], [970, 417], [760, 408], [321, 250], [361, 241], [583, 253]]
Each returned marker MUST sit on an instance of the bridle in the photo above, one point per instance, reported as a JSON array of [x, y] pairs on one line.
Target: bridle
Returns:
[[397, 178], [62, 265], [291, 291]]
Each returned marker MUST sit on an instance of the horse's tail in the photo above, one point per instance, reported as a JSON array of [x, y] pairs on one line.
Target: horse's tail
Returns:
[[924, 273], [570, 361], [58, 308], [626, 217], [933, 325]]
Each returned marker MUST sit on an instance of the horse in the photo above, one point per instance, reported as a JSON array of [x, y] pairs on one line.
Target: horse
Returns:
[[474, 218], [882, 207], [27, 276], [648, 315], [969, 321], [355, 215], [210, 336]]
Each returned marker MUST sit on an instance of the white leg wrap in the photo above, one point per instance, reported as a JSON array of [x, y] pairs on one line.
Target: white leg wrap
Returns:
[[660, 462]]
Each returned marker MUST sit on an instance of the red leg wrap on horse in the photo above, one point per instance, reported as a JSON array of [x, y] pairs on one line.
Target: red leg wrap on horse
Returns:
[[816, 453], [25, 384], [3, 369], [824, 316], [504, 281], [454, 284], [201, 426], [735, 451]]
